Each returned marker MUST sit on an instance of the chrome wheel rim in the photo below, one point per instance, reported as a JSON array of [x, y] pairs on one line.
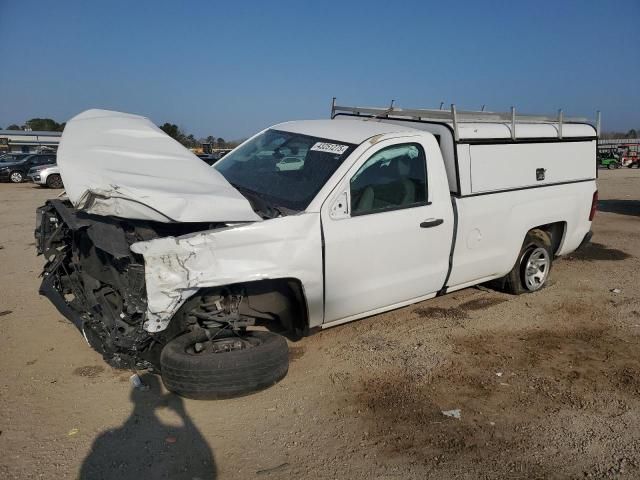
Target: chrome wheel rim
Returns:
[[16, 177], [536, 270]]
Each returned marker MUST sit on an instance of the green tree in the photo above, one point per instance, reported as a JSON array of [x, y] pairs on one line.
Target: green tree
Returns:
[[44, 124], [220, 143], [188, 140], [13, 126], [172, 130]]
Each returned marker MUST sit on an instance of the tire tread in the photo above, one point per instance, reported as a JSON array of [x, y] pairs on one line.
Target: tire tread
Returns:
[[223, 375]]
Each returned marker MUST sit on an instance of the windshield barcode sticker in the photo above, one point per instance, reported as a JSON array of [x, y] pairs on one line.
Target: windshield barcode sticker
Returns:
[[329, 148]]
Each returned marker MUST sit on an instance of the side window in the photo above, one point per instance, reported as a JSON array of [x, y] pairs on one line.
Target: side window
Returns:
[[393, 178]]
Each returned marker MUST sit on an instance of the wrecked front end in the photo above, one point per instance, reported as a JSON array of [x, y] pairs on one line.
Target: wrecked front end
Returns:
[[95, 280]]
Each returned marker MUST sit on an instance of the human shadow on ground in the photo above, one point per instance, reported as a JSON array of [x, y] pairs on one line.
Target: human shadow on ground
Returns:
[[623, 207], [144, 447]]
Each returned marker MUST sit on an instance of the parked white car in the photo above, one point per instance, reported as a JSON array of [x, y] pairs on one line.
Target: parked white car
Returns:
[[290, 163], [172, 262], [46, 176]]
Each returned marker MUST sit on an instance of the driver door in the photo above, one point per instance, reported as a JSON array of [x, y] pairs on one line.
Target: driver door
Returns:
[[390, 246]]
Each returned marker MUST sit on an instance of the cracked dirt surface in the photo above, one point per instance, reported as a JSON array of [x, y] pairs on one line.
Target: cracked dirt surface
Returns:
[[548, 384]]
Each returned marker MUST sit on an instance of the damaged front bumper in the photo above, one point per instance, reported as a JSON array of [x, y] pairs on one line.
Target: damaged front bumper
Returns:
[[96, 282]]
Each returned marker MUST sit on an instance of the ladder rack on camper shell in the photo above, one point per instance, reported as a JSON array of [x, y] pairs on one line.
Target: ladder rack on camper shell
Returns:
[[456, 117]]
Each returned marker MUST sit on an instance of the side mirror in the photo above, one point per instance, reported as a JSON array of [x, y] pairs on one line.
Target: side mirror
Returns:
[[340, 206]]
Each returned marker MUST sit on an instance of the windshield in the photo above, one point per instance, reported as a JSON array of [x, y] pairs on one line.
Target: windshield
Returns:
[[283, 169]]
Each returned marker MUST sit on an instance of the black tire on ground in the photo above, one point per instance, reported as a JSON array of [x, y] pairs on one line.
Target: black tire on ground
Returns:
[[16, 177], [54, 181], [225, 374], [611, 166], [514, 282]]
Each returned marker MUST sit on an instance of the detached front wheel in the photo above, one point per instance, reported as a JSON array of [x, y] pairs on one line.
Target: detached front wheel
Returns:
[[223, 364]]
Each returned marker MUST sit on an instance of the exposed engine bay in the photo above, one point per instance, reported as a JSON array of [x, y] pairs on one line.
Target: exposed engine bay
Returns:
[[97, 282], [94, 279]]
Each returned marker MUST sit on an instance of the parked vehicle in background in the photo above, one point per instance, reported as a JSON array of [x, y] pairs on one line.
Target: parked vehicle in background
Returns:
[[608, 158], [165, 263], [290, 163], [46, 176], [17, 171], [214, 156], [630, 155], [220, 152], [13, 157]]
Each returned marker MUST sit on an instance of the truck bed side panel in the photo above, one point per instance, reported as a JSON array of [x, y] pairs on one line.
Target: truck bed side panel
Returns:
[[491, 228]]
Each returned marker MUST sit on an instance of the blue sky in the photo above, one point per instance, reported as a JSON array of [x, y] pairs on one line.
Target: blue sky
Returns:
[[231, 68]]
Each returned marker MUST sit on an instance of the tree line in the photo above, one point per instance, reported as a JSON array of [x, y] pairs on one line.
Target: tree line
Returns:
[[171, 129], [189, 141], [633, 133], [39, 124]]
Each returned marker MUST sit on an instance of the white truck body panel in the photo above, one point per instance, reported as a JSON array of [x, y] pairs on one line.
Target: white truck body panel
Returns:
[[176, 268], [508, 166]]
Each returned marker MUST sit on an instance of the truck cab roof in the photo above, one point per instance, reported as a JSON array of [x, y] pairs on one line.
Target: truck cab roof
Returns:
[[349, 130]]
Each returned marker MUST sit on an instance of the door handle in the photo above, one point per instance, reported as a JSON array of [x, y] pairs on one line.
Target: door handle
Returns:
[[431, 222]]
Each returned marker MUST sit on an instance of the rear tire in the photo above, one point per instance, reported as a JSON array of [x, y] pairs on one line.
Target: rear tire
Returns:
[[54, 181], [16, 177], [611, 166], [223, 374], [536, 250]]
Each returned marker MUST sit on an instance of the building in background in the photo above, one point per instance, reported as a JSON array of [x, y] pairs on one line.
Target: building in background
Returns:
[[25, 141]]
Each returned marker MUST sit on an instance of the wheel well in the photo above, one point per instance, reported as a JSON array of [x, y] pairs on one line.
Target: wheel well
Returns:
[[556, 232], [277, 304]]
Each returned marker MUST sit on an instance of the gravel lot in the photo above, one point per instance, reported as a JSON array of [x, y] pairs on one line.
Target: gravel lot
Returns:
[[548, 384]]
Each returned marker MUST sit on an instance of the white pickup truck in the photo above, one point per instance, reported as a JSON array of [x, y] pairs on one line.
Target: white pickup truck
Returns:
[[165, 263]]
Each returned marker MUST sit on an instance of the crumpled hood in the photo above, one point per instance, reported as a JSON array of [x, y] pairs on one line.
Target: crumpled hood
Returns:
[[119, 164]]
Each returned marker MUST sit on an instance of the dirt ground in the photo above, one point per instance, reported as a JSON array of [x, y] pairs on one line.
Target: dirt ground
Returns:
[[548, 384]]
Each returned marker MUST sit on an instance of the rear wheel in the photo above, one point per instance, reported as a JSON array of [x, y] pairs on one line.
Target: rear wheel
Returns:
[[223, 364], [611, 166], [531, 270], [54, 181], [16, 177]]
